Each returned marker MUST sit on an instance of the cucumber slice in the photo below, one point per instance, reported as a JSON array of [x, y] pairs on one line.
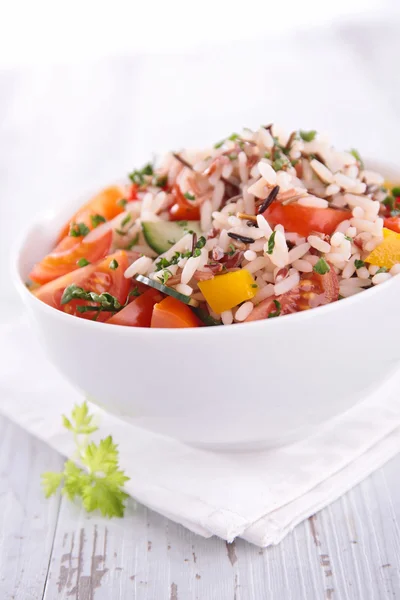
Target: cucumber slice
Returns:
[[161, 235], [168, 291]]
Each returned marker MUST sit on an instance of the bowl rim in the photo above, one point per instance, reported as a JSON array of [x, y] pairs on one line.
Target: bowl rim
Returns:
[[49, 215]]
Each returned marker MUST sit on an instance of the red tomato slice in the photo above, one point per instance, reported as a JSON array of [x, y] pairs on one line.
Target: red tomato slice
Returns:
[[304, 219], [66, 256], [138, 313], [182, 209], [97, 278], [170, 313], [393, 223], [313, 290], [104, 204]]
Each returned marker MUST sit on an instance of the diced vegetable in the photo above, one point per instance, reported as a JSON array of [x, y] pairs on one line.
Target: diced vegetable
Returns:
[[161, 235], [170, 313], [304, 219], [393, 223], [165, 289], [387, 253], [226, 291], [138, 313], [183, 209]]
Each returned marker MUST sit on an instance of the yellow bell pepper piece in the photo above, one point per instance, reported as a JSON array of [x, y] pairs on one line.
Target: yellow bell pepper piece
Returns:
[[226, 291], [387, 253]]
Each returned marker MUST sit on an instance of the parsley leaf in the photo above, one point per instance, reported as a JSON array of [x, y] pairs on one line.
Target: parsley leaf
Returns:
[[138, 176], [271, 242], [321, 267], [357, 156], [219, 144], [100, 484], [166, 274], [82, 262], [389, 202], [126, 220], [232, 250], [232, 156], [359, 263], [161, 181], [307, 136], [189, 196], [96, 220], [396, 191], [133, 242], [279, 163], [123, 202], [277, 312], [381, 270], [113, 264], [78, 229], [201, 242], [99, 302]]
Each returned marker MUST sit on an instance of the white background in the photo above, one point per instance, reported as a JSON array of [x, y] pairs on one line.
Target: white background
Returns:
[[90, 90]]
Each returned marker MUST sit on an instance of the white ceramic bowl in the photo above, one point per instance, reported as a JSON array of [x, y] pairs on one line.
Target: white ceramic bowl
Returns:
[[265, 382]]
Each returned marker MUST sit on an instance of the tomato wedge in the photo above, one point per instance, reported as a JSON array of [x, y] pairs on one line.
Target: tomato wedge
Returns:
[[182, 209], [393, 223], [171, 313], [104, 204], [313, 290], [138, 313], [97, 278], [65, 257], [304, 219]]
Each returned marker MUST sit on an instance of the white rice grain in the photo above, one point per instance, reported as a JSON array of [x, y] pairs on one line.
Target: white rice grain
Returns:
[[395, 270], [380, 278], [250, 255], [332, 189], [264, 225], [190, 268], [205, 215], [218, 194], [280, 252], [184, 289], [363, 273], [140, 266], [249, 202], [243, 171], [322, 171], [313, 202], [244, 311], [298, 252], [264, 293], [259, 188], [287, 284], [259, 263], [227, 317], [372, 178], [318, 244], [267, 172], [302, 265]]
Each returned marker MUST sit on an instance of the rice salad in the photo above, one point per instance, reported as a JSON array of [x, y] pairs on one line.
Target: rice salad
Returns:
[[263, 224]]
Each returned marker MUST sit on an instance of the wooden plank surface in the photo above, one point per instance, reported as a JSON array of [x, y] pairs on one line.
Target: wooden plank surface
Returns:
[[51, 549]]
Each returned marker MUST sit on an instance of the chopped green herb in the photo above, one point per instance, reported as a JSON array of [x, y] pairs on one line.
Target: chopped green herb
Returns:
[[279, 163], [389, 201], [381, 270], [294, 162], [82, 262], [267, 154], [357, 156], [166, 274], [123, 202], [100, 483], [135, 293], [113, 264], [233, 137], [219, 144], [201, 242], [321, 267], [126, 220], [172, 242], [232, 250], [196, 252], [104, 301], [161, 181], [232, 156], [133, 242], [120, 232], [189, 196], [254, 285], [271, 242], [138, 176], [396, 191], [79, 229], [348, 238], [96, 220], [307, 136], [182, 223], [277, 312], [359, 263]]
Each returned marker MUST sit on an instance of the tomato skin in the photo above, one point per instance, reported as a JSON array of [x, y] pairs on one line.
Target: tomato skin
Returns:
[[171, 313], [304, 219], [97, 278], [104, 204], [64, 258], [392, 223], [182, 209], [313, 290], [138, 313]]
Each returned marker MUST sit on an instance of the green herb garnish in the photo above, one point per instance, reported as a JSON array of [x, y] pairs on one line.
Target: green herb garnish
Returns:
[[277, 312], [232, 250], [389, 202], [233, 137], [321, 267], [307, 136], [254, 285], [196, 252], [279, 163], [359, 263], [357, 156], [166, 274], [78, 230], [133, 242], [182, 223], [271, 242], [201, 242], [82, 262], [135, 292], [232, 156], [96, 220], [100, 482], [189, 196], [396, 191], [102, 302], [113, 264], [161, 181], [126, 220], [123, 202], [219, 144], [381, 270], [138, 176]]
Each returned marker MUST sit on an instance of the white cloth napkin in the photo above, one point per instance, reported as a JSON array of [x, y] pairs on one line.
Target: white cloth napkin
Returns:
[[259, 496]]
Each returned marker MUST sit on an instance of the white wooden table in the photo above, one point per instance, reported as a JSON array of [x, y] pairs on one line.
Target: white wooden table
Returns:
[[51, 549]]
